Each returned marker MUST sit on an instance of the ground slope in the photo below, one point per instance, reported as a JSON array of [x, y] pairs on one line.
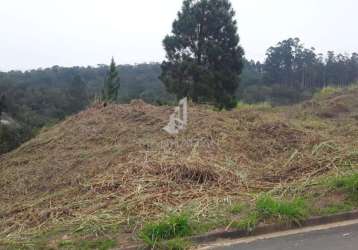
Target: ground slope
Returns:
[[112, 167]]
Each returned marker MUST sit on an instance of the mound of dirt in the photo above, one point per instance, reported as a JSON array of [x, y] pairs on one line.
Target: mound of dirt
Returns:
[[343, 102], [116, 159], [279, 131]]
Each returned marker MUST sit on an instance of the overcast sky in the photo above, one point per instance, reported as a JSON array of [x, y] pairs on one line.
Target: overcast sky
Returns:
[[43, 33]]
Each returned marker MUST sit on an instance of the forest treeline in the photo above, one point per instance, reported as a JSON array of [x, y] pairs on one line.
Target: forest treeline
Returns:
[[42, 97], [292, 72], [36, 98]]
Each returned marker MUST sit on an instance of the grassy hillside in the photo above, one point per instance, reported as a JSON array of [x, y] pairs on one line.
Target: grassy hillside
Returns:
[[104, 173]]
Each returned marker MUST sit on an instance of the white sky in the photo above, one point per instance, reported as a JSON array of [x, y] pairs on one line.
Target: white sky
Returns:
[[42, 33]]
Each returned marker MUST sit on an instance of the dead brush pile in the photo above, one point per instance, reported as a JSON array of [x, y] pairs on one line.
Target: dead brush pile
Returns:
[[117, 161]]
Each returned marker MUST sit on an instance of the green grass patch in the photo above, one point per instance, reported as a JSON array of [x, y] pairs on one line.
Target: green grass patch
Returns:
[[283, 211], [262, 105], [174, 244], [248, 223], [174, 226], [325, 92], [268, 208], [348, 184], [336, 208], [210, 222]]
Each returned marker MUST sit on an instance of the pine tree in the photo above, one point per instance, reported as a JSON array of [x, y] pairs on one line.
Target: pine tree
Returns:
[[111, 84], [204, 58]]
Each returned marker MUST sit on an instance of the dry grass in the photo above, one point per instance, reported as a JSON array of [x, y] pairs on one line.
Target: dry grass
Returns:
[[111, 168]]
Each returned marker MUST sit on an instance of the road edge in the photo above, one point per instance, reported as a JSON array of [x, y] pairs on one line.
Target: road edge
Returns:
[[265, 229], [231, 234]]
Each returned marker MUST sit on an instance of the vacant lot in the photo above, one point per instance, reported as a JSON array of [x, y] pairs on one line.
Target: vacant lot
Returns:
[[99, 176]]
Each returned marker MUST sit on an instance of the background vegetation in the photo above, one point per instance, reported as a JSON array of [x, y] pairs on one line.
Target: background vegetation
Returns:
[[290, 73]]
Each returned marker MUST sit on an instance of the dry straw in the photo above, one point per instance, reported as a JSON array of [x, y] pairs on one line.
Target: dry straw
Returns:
[[106, 165]]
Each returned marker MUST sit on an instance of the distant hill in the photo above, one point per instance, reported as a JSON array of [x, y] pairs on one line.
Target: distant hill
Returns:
[[115, 165], [42, 97]]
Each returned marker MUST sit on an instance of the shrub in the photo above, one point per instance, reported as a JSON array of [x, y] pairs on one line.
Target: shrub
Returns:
[[174, 226]]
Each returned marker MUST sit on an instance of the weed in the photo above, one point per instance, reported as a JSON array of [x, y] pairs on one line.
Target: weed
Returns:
[[248, 223], [336, 208], [174, 226], [347, 183], [237, 208], [288, 211], [269, 208]]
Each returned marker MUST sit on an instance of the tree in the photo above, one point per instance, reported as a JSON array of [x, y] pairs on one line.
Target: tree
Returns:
[[2, 105], [281, 62], [111, 84], [204, 58], [289, 63], [77, 95], [353, 67]]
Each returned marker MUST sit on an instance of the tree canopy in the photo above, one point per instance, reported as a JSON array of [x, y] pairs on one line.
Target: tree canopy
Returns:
[[290, 63], [204, 58], [77, 95], [2, 104], [292, 72], [111, 84], [41, 97]]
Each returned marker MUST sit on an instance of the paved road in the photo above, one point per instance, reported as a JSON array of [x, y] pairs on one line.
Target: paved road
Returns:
[[342, 238]]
